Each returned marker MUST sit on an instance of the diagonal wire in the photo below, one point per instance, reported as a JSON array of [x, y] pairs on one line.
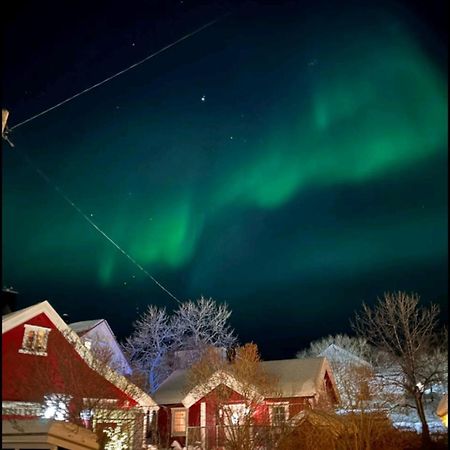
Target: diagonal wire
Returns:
[[186, 36], [91, 222]]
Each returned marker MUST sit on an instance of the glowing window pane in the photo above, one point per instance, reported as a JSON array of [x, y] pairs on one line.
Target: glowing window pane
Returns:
[[34, 340], [178, 421]]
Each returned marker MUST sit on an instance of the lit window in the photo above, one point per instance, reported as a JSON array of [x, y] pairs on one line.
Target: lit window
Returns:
[[178, 422], [279, 414], [35, 340]]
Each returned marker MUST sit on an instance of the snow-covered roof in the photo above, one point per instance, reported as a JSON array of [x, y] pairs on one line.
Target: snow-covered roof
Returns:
[[39, 431], [295, 378], [173, 389], [12, 320], [337, 354], [85, 325], [299, 377]]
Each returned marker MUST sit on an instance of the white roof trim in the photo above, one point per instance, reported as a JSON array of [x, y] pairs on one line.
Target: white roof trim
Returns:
[[17, 318], [219, 377], [326, 368]]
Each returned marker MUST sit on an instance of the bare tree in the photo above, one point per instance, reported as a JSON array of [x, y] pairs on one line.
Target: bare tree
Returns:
[[202, 324], [192, 328], [149, 345], [406, 334], [356, 345]]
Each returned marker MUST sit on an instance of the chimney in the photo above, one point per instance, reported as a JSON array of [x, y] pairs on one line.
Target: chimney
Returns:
[[66, 318], [9, 300]]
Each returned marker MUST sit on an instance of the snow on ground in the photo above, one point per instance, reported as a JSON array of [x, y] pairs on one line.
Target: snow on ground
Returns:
[[410, 421]]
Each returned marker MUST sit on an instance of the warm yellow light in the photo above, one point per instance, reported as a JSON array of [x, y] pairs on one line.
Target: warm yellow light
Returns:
[[445, 420]]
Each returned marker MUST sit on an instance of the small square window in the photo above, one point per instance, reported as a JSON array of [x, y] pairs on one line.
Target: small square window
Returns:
[[35, 340], [178, 422], [279, 414]]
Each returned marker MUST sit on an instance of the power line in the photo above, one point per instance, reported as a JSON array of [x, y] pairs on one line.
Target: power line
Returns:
[[60, 191], [186, 36], [91, 222]]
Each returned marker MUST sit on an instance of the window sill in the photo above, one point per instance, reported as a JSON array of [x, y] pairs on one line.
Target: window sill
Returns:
[[31, 352]]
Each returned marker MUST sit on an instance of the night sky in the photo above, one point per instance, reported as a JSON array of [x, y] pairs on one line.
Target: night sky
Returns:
[[290, 160]]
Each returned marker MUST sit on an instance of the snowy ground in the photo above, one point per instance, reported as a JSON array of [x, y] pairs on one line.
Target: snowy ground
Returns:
[[411, 421]]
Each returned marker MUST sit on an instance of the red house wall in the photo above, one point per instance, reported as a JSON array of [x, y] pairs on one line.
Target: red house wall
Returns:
[[194, 415], [27, 377]]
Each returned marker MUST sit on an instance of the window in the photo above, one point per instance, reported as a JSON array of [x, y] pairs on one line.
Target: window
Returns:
[[35, 340], [178, 421], [279, 413]]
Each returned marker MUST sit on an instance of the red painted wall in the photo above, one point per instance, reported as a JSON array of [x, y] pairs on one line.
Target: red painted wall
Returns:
[[28, 377], [194, 415]]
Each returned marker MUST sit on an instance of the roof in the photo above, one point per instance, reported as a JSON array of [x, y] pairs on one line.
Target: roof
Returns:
[[337, 354], [173, 389], [12, 320], [442, 408], [85, 325], [17, 318], [298, 377], [295, 377]]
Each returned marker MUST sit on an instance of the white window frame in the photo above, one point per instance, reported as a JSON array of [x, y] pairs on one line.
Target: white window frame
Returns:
[[36, 329], [285, 405], [172, 414]]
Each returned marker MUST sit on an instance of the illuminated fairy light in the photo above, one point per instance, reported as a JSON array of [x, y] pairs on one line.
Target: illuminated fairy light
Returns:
[[55, 407], [117, 439]]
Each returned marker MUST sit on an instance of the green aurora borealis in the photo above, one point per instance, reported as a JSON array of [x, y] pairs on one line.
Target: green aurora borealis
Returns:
[[317, 160]]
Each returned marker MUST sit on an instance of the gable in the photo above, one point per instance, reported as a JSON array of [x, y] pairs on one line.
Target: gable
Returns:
[[220, 378], [101, 336], [28, 377], [67, 356]]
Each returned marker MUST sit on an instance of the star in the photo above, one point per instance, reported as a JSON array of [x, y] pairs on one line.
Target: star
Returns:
[[203, 98]]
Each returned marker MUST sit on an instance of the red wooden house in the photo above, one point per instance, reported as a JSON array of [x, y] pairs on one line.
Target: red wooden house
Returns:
[[192, 417], [48, 373]]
